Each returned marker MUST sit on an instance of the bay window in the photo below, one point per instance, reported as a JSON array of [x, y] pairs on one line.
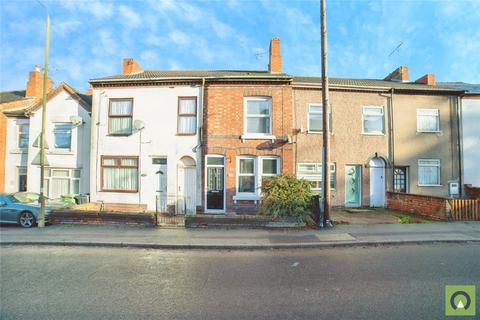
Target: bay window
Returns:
[[62, 181], [120, 117], [120, 174]]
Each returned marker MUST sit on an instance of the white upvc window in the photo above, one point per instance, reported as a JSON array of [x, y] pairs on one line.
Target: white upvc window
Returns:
[[373, 120], [62, 135], [60, 182], [312, 172], [429, 172], [315, 118], [258, 117], [428, 120], [252, 172], [23, 131]]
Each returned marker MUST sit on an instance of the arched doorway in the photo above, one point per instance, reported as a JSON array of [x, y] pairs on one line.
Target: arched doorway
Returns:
[[377, 182]]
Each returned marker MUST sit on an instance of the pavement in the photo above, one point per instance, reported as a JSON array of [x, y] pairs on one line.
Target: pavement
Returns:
[[231, 239], [384, 282]]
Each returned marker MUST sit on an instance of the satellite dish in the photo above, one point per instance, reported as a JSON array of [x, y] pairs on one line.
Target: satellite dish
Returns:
[[76, 120], [138, 124]]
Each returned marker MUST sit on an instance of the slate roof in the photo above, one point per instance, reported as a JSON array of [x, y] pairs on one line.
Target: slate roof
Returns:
[[191, 75], [9, 96], [219, 75], [374, 83], [470, 88]]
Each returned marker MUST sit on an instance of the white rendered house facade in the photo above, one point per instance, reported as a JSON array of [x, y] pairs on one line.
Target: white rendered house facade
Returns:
[[67, 138], [145, 145]]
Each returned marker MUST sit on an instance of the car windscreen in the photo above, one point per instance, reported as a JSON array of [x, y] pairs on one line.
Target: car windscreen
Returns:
[[11, 198]]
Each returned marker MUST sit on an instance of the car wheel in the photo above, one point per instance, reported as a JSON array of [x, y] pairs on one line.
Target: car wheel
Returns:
[[26, 219]]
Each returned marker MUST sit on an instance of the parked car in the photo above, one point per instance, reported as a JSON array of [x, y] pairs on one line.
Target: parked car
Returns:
[[14, 211]]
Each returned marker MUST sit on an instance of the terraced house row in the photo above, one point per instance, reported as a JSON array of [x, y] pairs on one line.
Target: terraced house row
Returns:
[[191, 142]]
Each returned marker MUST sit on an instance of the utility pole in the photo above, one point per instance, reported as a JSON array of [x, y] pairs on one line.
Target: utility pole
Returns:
[[325, 119], [41, 217]]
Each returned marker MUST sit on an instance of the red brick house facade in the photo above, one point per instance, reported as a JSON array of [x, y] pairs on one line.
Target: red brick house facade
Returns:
[[248, 125]]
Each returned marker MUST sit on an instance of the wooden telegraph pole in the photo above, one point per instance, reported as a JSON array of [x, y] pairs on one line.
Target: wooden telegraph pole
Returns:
[[41, 217], [326, 125]]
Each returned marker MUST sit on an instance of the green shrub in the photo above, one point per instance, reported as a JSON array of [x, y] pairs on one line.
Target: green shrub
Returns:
[[286, 196]]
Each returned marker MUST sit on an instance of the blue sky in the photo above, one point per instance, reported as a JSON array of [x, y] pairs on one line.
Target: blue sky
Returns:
[[90, 38]]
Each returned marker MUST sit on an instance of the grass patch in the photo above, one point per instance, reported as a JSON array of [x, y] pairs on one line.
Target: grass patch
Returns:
[[409, 219]]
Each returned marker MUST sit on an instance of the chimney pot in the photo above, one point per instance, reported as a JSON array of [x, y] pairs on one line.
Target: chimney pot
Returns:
[[131, 66], [275, 59], [428, 79], [399, 74], [35, 83]]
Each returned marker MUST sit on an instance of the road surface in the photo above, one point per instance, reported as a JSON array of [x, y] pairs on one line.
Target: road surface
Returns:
[[404, 282]]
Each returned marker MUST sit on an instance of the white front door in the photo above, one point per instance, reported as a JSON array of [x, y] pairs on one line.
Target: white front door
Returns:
[[377, 182], [186, 190], [161, 186]]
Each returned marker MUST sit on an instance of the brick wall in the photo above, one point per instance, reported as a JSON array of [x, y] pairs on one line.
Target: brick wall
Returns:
[[472, 192], [224, 126], [427, 206]]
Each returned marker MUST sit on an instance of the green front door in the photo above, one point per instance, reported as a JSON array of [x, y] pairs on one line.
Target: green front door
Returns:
[[352, 186]]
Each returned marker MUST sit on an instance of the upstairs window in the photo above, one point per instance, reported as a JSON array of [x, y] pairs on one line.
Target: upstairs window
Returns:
[[373, 120], [258, 116], [187, 116], [429, 172], [23, 129], [120, 117], [63, 136], [315, 118], [428, 120]]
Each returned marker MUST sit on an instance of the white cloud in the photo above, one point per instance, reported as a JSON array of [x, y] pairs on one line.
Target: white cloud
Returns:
[[179, 37], [131, 18], [98, 9]]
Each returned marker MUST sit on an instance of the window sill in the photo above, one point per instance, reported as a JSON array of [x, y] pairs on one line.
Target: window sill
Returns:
[[119, 191], [186, 134], [251, 197], [61, 152], [258, 137], [429, 131], [318, 132], [19, 151], [119, 135], [373, 133], [429, 185]]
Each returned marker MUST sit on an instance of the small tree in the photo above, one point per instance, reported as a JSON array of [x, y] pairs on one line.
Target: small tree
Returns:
[[286, 196]]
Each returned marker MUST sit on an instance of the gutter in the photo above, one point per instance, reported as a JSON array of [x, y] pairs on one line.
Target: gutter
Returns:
[[181, 79]]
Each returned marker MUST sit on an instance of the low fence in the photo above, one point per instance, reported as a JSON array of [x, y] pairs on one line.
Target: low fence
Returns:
[[464, 209], [435, 208]]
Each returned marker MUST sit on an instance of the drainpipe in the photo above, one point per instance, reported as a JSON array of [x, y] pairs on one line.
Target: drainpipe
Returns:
[[459, 144], [392, 137]]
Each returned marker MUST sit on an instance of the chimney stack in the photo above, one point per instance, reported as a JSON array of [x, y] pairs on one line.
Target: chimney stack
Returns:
[[275, 61], [428, 79], [131, 66], [35, 83], [400, 74]]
